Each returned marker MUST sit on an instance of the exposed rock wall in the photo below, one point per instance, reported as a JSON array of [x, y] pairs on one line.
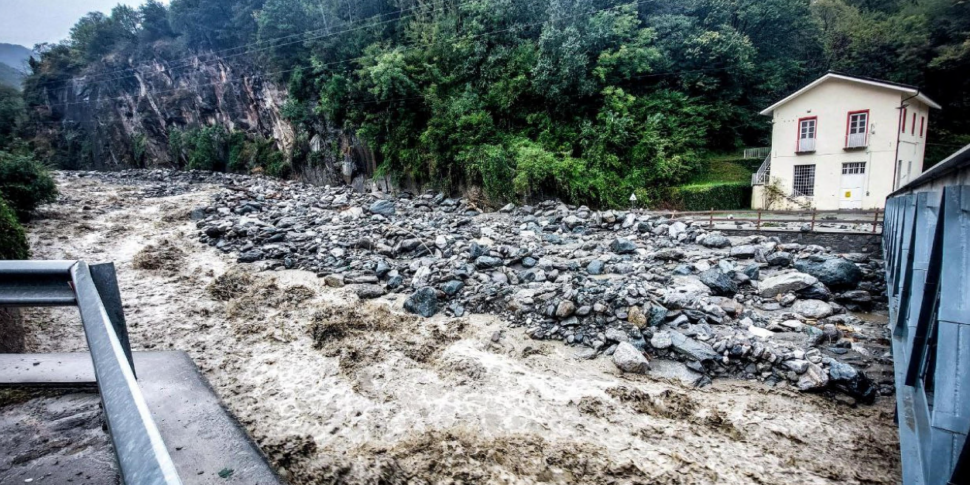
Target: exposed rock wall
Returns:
[[124, 118]]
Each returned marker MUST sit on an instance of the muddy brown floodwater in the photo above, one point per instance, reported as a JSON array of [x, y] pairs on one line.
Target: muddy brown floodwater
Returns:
[[337, 390]]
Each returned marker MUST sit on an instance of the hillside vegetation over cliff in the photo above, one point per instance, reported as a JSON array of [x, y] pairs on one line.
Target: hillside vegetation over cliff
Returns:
[[587, 100]]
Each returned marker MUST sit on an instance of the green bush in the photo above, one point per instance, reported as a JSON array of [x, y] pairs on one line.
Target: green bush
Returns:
[[25, 183], [726, 196], [13, 241]]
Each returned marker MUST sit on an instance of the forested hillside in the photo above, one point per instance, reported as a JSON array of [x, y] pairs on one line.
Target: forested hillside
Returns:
[[588, 100]]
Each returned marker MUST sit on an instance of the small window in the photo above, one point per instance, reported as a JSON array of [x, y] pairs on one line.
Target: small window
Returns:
[[856, 127], [852, 168], [804, 181], [912, 131], [806, 134], [922, 124], [903, 129]]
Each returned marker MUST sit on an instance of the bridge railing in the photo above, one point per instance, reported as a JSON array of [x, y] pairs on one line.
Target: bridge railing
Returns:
[[141, 453], [926, 245]]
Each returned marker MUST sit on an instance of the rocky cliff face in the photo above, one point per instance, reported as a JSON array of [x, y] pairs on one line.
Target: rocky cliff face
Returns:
[[123, 118]]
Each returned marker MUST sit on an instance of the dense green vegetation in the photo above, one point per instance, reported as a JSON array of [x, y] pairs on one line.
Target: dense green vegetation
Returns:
[[588, 100], [716, 196], [24, 182], [13, 241]]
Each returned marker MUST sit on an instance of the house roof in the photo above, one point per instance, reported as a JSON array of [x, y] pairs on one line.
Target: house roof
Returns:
[[903, 88]]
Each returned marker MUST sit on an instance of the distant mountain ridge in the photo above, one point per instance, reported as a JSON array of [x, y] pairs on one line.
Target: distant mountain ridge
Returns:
[[15, 56], [13, 64]]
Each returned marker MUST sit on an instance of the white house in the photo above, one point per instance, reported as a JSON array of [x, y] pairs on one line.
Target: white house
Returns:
[[842, 142]]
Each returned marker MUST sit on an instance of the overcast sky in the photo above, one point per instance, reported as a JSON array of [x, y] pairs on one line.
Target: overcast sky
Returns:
[[29, 22]]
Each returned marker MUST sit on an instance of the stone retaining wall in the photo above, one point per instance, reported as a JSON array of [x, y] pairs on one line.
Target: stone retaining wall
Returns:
[[839, 242]]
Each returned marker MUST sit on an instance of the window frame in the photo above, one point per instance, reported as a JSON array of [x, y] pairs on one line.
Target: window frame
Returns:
[[854, 168], [794, 182], [798, 133], [865, 128]]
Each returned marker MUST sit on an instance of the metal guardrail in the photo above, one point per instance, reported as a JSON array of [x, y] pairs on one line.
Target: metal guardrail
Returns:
[[926, 245], [139, 448]]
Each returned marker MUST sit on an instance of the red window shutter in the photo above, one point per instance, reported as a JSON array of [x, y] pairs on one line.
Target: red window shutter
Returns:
[[905, 112], [922, 124], [912, 130]]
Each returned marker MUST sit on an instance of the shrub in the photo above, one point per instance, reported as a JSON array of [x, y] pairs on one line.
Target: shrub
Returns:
[[13, 241], [726, 196], [25, 183]]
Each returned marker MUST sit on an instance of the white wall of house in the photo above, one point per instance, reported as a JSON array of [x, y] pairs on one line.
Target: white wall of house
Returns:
[[830, 104]]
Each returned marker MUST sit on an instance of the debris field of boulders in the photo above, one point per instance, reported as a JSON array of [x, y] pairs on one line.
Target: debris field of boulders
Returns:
[[626, 285]]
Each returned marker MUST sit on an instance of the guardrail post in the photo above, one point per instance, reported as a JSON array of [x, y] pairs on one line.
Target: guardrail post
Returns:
[[812, 229], [711, 223], [106, 282], [759, 219]]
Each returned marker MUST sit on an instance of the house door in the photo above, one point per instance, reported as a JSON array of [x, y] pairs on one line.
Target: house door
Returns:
[[853, 180]]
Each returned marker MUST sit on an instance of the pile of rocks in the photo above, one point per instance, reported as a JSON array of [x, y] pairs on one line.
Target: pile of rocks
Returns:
[[606, 281]]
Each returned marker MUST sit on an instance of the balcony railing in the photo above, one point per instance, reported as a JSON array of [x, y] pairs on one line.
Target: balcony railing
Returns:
[[855, 140], [806, 145], [760, 152]]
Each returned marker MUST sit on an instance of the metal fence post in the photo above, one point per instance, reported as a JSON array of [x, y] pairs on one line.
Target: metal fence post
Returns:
[[812, 229], [759, 219]]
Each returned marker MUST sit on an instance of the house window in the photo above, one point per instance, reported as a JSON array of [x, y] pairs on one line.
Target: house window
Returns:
[[922, 124], [852, 168], [806, 135], [912, 131], [856, 127], [804, 181], [903, 129], [899, 172]]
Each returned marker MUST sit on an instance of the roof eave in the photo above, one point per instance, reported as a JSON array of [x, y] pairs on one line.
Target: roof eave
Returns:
[[912, 92]]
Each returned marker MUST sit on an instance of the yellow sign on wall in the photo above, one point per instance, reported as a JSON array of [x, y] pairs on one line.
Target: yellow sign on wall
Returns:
[[848, 194]]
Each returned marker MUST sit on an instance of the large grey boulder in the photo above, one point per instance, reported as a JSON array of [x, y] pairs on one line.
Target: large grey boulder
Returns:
[[852, 381], [715, 241], [661, 341], [779, 258], [676, 229], [719, 283], [815, 309], [814, 378], [683, 292], [743, 252], [486, 262], [785, 283], [423, 302], [836, 273], [382, 207], [691, 348], [668, 254], [623, 246], [629, 359]]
